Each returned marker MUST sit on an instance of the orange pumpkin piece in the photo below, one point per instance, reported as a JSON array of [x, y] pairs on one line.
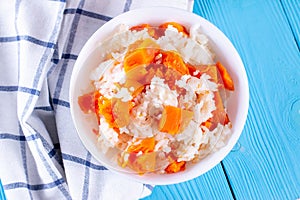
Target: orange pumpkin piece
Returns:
[[104, 108], [134, 87], [175, 167], [173, 60], [227, 80], [139, 27], [146, 145], [142, 163], [186, 117], [151, 30], [146, 162], [86, 103], [170, 120], [144, 54], [174, 120], [179, 27], [149, 43], [136, 58], [97, 96], [212, 71], [138, 73], [120, 112], [219, 115]]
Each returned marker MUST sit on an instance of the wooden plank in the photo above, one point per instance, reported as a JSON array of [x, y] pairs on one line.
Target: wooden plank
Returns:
[[267, 164], [292, 11], [2, 194], [211, 185]]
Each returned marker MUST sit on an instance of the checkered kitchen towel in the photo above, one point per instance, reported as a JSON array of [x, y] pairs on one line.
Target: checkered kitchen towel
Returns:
[[41, 156]]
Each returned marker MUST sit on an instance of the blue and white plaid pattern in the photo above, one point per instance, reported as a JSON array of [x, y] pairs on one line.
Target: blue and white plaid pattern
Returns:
[[41, 154]]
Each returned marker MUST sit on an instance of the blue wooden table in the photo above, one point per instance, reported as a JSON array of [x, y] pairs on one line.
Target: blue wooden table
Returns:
[[265, 164]]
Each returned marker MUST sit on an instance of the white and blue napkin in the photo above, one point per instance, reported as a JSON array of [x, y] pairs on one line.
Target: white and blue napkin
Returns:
[[41, 155]]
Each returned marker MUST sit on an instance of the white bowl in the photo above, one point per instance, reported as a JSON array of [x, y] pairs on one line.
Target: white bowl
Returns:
[[225, 52]]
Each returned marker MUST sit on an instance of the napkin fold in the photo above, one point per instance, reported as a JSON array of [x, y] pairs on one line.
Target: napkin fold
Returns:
[[41, 155]]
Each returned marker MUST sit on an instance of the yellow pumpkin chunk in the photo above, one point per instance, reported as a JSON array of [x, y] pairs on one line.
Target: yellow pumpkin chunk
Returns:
[[142, 163], [170, 120], [174, 120], [144, 54], [186, 117], [173, 60], [146, 145], [227, 80], [134, 87], [120, 112], [138, 73], [175, 167]]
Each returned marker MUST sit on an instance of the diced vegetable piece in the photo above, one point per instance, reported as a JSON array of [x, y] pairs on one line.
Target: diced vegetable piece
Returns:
[[147, 43], [139, 57], [139, 27], [146, 162], [146, 145], [175, 167], [143, 53], [179, 27], [86, 103], [219, 115], [150, 44], [134, 87], [153, 31], [97, 97], [134, 59], [186, 117], [212, 71], [174, 120], [142, 163], [170, 120], [220, 112], [104, 108], [138, 73], [227, 80], [173, 60], [120, 112]]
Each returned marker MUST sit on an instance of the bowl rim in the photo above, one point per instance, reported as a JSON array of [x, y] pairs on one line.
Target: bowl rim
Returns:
[[175, 13]]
